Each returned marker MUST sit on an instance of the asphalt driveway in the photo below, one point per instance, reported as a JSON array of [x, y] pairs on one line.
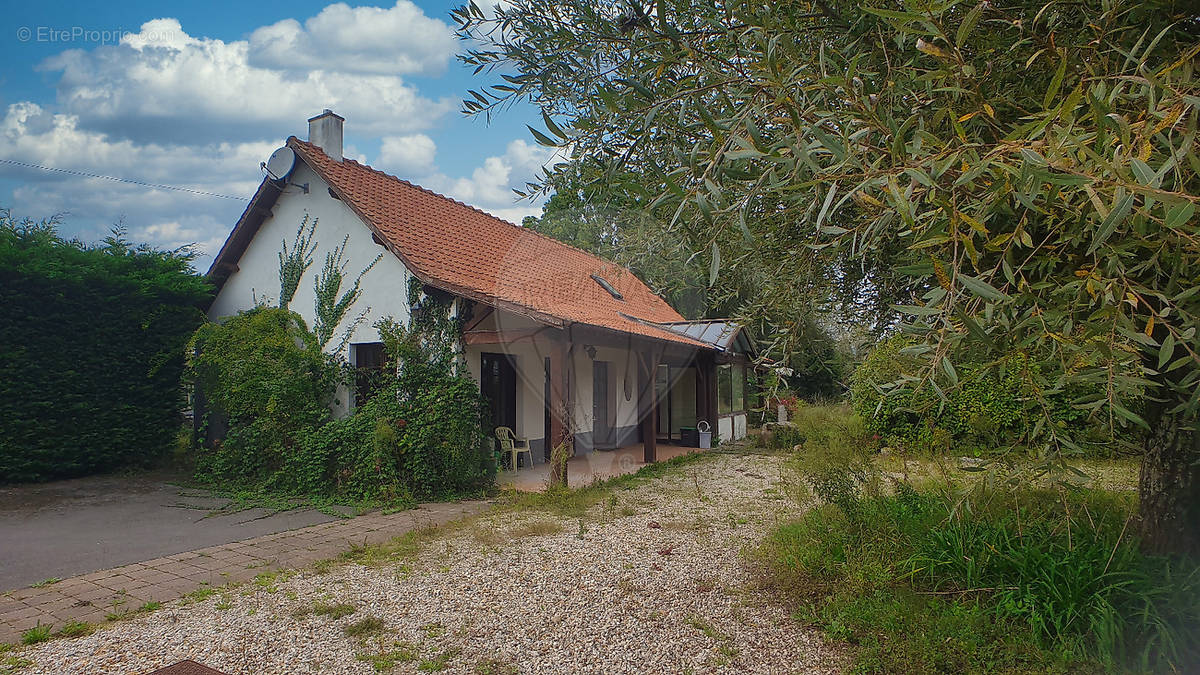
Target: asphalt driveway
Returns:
[[73, 527]]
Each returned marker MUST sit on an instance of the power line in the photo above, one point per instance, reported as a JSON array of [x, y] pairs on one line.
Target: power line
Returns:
[[131, 181]]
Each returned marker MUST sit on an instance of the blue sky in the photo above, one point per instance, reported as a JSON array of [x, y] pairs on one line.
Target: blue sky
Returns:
[[197, 94]]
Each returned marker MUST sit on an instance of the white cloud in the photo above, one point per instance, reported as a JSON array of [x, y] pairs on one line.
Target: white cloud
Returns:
[[174, 234], [491, 185], [170, 219], [397, 40], [166, 107], [161, 82], [405, 156], [515, 214], [166, 218]]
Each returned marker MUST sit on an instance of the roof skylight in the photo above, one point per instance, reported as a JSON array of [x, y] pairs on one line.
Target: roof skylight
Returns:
[[607, 286]]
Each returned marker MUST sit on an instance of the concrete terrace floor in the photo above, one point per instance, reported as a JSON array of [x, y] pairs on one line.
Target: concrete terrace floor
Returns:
[[588, 468]]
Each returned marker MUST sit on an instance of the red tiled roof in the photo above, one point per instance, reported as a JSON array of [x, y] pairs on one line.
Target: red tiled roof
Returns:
[[461, 249]]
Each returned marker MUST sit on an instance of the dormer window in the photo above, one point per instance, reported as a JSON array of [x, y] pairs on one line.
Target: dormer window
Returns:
[[607, 286]]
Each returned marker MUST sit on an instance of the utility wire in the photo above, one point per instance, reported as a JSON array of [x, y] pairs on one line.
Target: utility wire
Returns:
[[131, 181]]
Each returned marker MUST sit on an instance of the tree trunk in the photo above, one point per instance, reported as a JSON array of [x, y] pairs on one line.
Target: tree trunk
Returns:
[[1169, 485]]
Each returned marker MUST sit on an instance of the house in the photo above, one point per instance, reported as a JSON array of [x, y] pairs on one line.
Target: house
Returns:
[[564, 345]]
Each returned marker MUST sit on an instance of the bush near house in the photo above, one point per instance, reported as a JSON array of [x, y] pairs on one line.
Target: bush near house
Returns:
[[967, 576], [265, 376], [91, 351]]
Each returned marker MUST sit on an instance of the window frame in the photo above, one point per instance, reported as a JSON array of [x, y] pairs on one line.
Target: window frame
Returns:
[[725, 389]]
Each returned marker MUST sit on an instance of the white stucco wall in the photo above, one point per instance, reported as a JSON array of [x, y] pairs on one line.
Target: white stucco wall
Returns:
[[732, 427], [384, 289]]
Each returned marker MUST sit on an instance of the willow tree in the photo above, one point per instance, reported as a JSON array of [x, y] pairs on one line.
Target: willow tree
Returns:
[[1029, 167]]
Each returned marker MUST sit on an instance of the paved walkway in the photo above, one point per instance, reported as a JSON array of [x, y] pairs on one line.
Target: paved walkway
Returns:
[[71, 527], [92, 597]]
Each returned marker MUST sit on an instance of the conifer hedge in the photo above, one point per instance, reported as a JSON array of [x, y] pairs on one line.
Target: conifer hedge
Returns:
[[91, 351]]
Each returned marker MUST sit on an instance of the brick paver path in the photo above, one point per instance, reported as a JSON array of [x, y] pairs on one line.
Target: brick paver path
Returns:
[[91, 597]]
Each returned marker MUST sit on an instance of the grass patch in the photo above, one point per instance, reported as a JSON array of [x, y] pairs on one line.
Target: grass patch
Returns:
[[199, 595], [363, 627], [333, 611], [401, 548], [704, 627], [965, 572], [39, 633], [1003, 582], [75, 629], [46, 582], [269, 581], [724, 644], [384, 661], [575, 502], [439, 662], [535, 528], [12, 664]]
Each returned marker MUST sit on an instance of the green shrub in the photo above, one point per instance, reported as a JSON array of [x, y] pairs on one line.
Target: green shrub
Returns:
[[91, 351], [434, 410], [823, 424], [983, 413], [266, 378], [265, 382], [1001, 582], [834, 454]]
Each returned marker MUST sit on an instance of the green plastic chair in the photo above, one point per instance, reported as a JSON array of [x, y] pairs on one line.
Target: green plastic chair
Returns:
[[511, 446]]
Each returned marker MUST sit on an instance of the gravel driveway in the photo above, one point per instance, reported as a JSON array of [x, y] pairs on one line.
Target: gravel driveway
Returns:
[[651, 579]]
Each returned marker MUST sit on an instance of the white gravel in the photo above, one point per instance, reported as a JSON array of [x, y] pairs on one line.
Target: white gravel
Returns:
[[652, 580]]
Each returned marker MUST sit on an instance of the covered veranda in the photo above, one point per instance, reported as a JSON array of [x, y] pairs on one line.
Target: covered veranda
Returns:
[[617, 400]]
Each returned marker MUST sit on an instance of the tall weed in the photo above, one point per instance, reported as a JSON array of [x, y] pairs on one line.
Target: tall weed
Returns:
[[1016, 581], [833, 454]]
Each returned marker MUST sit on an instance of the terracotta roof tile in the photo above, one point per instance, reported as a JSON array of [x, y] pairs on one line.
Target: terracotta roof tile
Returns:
[[460, 248]]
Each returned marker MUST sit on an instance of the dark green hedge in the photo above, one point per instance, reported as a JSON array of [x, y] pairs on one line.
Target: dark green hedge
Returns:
[[91, 351]]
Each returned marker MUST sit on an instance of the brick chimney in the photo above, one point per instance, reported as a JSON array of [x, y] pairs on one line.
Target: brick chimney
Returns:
[[325, 132]]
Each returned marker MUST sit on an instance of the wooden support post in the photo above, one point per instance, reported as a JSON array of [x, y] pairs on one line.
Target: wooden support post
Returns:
[[560, 411], [706, 383], [647, 403]]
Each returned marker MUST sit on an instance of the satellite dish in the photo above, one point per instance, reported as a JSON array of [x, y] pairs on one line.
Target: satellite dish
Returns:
[[281, 163]]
